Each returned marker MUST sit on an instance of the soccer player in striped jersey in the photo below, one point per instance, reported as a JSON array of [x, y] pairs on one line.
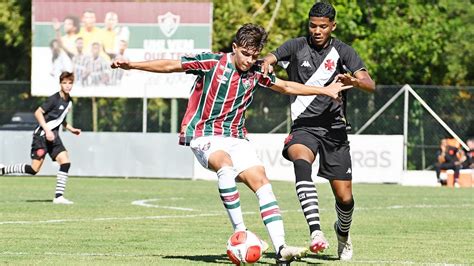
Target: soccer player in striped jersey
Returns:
[[319, 122], [214, 123], [50, 116]]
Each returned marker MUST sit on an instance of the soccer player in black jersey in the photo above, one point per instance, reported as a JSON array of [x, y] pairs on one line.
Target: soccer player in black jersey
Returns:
[[319, 122], [50, 116]]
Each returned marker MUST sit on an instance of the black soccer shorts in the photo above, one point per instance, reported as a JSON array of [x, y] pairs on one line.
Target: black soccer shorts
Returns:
[[332, 147], [40, 146]]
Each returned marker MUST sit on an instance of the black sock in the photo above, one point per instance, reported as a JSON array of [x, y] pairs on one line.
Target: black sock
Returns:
[[29, 170], [307, 194]]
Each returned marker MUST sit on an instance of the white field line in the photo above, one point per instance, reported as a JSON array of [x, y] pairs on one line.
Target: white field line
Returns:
[[210, 214], [417, 206], [145, 203], [8, 253], [114, 219]]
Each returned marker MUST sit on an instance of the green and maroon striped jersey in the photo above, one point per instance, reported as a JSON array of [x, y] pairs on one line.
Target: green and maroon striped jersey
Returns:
[[219, 97]]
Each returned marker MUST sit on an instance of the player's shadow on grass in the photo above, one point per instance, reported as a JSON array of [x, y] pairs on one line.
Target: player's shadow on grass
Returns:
[[218, 259], [271, 257], [39, 200], [223, 259], [318, 257], [309, 256]]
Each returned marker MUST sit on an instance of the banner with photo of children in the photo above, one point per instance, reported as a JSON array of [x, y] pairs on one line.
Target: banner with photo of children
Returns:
[[83, 37]]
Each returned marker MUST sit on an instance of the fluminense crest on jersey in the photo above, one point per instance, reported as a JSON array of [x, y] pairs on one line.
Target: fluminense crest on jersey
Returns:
[[246, 82]]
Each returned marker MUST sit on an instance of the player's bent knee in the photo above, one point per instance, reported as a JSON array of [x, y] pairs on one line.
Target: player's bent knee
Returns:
[[346, 200], [259, 181]]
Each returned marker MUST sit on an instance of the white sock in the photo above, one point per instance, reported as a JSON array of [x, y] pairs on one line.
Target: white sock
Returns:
[[230, 197], [14, 169], [270, 213], [61, 180]]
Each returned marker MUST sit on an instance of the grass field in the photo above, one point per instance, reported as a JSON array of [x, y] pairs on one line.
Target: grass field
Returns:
[[182, 222]]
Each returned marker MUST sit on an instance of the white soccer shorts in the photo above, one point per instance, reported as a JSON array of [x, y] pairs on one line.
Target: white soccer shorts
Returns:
[[241, 151]]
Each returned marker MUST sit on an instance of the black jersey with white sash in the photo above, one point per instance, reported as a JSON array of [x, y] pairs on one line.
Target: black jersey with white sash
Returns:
[[305, 64], [55, 110]]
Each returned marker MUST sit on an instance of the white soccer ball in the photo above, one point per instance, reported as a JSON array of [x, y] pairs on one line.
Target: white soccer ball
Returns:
[[244, 247]]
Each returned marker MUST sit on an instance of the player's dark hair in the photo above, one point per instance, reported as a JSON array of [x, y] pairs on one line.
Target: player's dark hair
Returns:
[[75, 21], [323, 10], [66, 75], [251, 36]]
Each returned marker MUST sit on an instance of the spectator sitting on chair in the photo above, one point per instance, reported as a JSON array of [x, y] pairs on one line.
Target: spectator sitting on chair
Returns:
[[449, 156]]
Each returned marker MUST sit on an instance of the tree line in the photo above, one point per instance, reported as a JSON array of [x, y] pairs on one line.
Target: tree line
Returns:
[[401, 41]]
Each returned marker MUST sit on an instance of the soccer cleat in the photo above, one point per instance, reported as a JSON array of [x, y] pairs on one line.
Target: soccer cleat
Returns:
[[318, 242], [344, 245], [62, 200], [2, 169], [287, 254]]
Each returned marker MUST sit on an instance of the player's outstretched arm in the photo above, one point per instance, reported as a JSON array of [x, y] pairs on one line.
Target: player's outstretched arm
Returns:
[[73, 130], [158, 66], [361, 79], [294, 88]]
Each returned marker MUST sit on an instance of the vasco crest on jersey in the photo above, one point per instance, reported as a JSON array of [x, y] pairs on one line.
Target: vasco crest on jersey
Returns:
[[329, 65]]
